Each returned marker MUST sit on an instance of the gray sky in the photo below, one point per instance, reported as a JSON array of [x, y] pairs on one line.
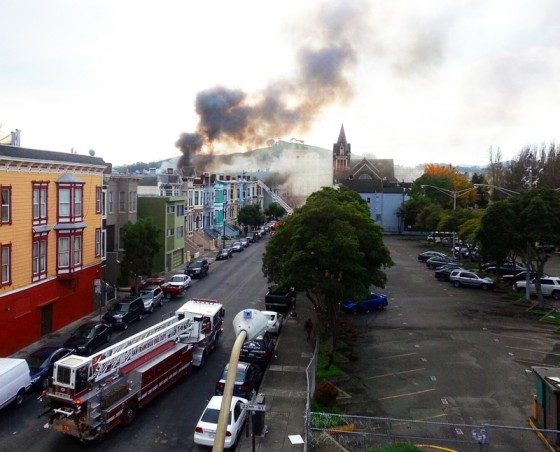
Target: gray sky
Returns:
[[420, 82]]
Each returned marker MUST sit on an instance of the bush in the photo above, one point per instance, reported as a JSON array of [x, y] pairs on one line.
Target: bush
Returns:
[[326, 394]]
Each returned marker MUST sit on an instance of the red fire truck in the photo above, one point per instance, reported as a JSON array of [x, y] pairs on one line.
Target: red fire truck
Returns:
[[91, 395]]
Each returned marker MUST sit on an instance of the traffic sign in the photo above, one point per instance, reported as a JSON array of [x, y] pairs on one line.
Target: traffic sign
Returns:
[[253, 407]]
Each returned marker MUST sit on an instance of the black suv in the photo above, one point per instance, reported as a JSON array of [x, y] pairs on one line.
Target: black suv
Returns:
[[258, 351], [125, 311], [197, 269]]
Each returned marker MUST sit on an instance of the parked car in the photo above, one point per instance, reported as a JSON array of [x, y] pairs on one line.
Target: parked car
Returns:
[[247, 380], [550, 287], [41, 364], [258, 351], [442, 273], [245, 242], [280, 299], [223, 254], [152, 297], [251, 237], [15, 381], [423, 257], [90, 336], [374, 302], [505, 268], [205, 430], [176, 286], [237, 247], [125, 311], [198, 268], [468, 278], [436, 262], [275, 321], [521, 276]]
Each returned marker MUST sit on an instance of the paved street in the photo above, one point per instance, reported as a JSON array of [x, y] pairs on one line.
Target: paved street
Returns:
[[443, 354]]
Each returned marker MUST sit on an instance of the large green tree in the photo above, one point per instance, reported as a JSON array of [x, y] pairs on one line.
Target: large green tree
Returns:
[[332, 250], [141, 242], [251, 215], [275, 210]]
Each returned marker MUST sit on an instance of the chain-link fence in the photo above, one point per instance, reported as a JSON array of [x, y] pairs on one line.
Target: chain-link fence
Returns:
[[358, 433]]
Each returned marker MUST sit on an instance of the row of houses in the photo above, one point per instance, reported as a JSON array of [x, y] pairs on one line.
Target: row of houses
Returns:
[[61, 222]]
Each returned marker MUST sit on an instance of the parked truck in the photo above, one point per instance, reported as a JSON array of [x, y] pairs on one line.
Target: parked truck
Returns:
[[277, 299], [89, 396]]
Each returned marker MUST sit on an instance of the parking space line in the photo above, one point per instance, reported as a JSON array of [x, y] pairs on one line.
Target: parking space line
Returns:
[[532, 350], [523, 338], [391, 374], [526, 361], [405, 395], [393, 356]]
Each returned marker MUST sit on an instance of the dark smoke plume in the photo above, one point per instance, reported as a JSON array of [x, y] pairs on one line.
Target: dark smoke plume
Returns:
[[232, 117]]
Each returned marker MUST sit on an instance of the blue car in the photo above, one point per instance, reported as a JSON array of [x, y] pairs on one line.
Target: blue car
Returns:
[[41, 363], [372, 303]]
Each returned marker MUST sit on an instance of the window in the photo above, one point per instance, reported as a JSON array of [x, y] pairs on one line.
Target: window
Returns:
[[69, 252], [97, 242], [6, 263], [6, 205], [122, 201], [196, 198], [98, 199], [170, 209], [103, 242], [132, 201], [180, 232], [170, 232], [40, 193], [180, 211], [70, 202], [39, 256], [110, 202]]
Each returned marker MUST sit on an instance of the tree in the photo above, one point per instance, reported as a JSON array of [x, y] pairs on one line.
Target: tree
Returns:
[[141, 242], [275, 211], [332, 250], [251, 215], [497, 234]]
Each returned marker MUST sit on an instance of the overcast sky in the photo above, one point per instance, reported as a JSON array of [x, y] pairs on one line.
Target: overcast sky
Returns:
[[419, 82]]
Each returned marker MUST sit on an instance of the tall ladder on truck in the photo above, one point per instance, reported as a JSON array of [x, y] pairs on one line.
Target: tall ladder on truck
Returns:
[[275, 197], [113, 358]]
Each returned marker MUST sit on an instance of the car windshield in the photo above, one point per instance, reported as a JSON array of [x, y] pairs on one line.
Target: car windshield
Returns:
[[119, 307], [211, 415], [236, 243], [146, 295], [195, 265], [177, 278], [239, 375], [85, 332], [36, 361]]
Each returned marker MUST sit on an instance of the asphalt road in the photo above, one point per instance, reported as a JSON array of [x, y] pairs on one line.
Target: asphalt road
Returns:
[[168, 422], [445, 354]]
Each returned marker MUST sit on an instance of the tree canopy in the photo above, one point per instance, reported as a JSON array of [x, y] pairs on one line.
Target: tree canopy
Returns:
[[331, 249], [141, 243], [251, 215], [275, 210]]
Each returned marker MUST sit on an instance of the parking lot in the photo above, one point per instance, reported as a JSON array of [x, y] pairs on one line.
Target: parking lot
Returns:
[[446, 355]]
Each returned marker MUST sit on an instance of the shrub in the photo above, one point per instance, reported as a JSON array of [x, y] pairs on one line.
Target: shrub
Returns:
[[326, 394]]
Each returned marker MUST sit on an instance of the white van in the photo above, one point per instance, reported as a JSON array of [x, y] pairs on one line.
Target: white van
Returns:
[[14, 380]]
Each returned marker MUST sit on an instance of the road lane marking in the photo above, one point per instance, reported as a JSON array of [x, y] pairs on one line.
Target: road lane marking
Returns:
[[392, 374], [531, 350], [406, 395], [523, 338], [393, 356]]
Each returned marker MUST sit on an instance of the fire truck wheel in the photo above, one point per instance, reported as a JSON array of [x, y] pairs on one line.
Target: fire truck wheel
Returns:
[[130, 412]]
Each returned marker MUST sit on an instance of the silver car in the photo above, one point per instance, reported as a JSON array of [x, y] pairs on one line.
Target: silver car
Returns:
[[236, 247], [462, 277], [152, 296]]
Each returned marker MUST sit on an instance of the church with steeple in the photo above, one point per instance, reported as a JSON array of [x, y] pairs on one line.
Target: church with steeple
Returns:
[[374, 180]]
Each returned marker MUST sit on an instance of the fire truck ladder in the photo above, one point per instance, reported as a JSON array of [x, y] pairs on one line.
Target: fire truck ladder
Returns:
[[275, 197], [111, 359]]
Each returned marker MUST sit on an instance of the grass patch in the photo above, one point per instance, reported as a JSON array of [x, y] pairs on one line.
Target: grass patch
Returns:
[[398, 448], [324, 373]]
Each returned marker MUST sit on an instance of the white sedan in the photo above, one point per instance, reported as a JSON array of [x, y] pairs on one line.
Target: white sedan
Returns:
[[275, 321], [205, 430]]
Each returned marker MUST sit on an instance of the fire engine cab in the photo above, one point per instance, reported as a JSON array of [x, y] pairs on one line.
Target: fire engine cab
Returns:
[[207, 317], [91, 395]]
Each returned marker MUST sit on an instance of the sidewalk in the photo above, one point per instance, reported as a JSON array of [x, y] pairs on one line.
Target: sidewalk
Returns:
[[285, 387]]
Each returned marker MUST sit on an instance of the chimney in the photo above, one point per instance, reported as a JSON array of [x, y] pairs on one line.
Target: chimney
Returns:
[[15, 137]]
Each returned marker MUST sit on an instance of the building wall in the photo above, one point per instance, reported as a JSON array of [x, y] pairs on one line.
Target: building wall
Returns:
[[28, 308], [383, 209]]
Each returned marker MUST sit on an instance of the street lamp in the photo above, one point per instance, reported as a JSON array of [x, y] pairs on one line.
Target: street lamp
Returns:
[[247, 325], [507, 191], [453, 194]]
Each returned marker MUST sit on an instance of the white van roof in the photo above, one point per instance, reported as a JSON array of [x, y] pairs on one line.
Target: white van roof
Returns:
[[7, 364]]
